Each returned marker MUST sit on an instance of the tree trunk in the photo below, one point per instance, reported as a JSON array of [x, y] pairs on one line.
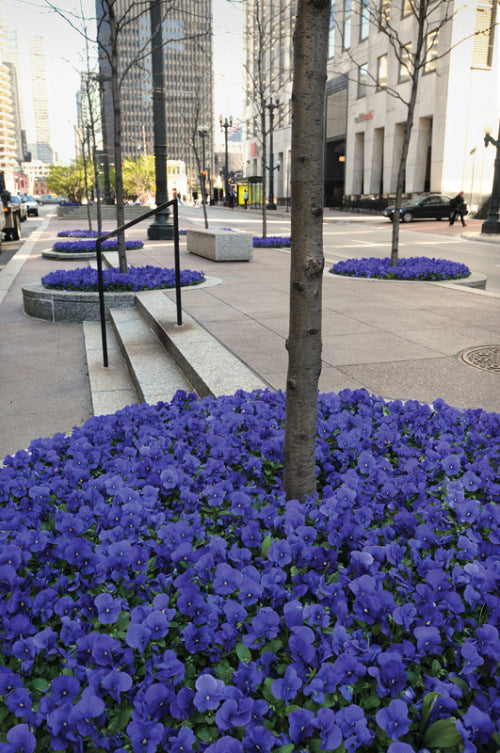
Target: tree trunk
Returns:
[[117, 141], [307, 261], [421, 15]]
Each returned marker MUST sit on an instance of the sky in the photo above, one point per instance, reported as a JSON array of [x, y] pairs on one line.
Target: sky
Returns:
[[65, 57]]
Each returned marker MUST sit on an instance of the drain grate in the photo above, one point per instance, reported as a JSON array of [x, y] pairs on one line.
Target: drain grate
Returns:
[[486, 357]]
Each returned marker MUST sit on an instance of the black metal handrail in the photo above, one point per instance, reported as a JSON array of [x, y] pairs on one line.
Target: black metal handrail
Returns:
[[100, 281]]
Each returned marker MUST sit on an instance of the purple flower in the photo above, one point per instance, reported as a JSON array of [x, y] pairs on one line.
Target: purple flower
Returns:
[[412, 268], [235, 712], [209, 693], [227, 579], [145, 736], [116, 683], [108, 609], [393, 719], [301, 724], [287, 687], [20, 739], [225, 744], [331, 736]]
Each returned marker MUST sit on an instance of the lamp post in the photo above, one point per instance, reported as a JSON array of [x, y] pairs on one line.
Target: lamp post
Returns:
[[162, 228], [271, 107], [100, 79], [492, 223], [203, 133], [225, 124]]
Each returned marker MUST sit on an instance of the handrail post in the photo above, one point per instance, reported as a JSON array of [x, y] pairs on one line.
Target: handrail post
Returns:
[[100, 279], [177, 264]]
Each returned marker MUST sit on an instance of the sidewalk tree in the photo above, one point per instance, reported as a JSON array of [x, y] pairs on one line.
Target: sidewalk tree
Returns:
[[114, 18], [307, 260], [69, 180]]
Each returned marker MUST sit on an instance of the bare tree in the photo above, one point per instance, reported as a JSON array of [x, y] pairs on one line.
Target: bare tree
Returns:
[[413, 59], [114, 19], [262, 89], [307, 261]]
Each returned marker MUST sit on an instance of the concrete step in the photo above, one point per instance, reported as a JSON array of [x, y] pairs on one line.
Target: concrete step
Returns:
[[111, 387], [209, 366], [153, 371]]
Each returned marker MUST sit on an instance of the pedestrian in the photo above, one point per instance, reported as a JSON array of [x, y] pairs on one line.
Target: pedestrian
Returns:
[[195, 197], [458, 208], [245, 198]]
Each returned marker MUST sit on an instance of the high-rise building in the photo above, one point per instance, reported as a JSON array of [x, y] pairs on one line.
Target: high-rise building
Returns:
[[188, 79], [42, 144], [7, 130]]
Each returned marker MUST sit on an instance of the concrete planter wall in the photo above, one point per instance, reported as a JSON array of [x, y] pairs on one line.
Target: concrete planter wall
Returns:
[[67, 255], [107, 212], [220, 245], [71, 305]]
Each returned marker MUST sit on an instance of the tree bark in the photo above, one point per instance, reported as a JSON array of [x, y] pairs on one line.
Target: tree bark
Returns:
[[421, 17], [117, 139], [307, 261]]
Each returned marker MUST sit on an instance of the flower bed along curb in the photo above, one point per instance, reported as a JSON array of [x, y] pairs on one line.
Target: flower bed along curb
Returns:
[[77, 246], [419, 268], [272, 241]]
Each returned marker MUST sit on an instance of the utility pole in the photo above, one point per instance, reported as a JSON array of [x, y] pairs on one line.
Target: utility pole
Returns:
[[271, 107]]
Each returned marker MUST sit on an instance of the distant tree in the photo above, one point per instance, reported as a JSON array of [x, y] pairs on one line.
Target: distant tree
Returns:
[[139, 178], [69, 180], [307, 260]]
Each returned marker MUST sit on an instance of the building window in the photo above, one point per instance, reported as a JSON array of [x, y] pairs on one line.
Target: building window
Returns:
[[347, 24], [384, 13], [362, 80], [405, 63], [382, 64], [406, 8], [331, 33], [431, 42], [484, 33], [364, 26]]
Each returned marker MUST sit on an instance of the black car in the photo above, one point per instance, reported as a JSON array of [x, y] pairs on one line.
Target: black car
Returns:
[[427, 206]]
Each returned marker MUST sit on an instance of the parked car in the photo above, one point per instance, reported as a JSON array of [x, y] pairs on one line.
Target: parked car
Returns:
[[426, 206], [30, 203], [23, 209], [50, 199], [11, 216]]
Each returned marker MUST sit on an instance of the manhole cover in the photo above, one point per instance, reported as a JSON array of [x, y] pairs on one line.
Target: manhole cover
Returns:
[[486, 357]]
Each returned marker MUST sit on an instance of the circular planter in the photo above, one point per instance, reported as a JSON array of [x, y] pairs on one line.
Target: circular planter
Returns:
[[75, 306], [71, 305], [65, 255]]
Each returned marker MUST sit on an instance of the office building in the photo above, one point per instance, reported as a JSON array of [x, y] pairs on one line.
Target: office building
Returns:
[[188, 81], [458, 97]]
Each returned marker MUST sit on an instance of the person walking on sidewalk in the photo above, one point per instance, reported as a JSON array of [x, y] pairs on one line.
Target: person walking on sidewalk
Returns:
[[458, 207], [245, 198]]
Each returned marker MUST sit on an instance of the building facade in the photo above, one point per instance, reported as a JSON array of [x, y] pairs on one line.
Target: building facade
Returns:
[[188, 80], [367, 90], [7, 126]]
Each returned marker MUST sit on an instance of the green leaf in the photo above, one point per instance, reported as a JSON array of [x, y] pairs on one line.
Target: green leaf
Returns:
[[207, 734], [442, 734], [243, 652], [427, 706], [39, 683], [275, 645], [265, 545], [285, 749]]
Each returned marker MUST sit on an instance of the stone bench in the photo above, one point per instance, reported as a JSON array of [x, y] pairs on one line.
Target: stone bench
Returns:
[[220, 245]]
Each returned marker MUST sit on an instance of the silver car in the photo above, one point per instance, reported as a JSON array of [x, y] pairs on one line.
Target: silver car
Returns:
[[30, 203]]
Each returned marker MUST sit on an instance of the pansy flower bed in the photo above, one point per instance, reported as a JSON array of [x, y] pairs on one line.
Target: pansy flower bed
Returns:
[[80, 246], [413, 268], [273, 241], [137, 278], [77, 234], [160, 594]]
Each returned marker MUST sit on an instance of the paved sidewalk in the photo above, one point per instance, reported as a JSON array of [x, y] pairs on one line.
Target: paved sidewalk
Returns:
[[396, 339]]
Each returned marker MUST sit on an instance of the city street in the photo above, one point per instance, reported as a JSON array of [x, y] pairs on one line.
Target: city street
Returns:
[[356, 235]]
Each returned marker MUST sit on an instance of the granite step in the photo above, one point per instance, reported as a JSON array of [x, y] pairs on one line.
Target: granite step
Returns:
[[209, 366], [153, 371]]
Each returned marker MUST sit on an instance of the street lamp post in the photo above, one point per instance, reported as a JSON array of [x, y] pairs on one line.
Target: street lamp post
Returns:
[[271, 107], [203, 133], [225, 124], [492, 222], [162, 228], [100, 78]]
